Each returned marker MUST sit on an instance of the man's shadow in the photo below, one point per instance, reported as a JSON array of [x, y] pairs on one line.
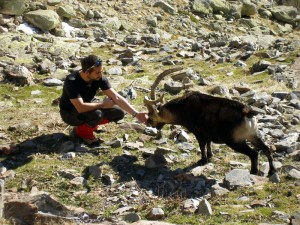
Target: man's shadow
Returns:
[[22, 153]]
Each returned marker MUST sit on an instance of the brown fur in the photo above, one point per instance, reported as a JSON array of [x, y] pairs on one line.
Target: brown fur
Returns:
[[214, 119]]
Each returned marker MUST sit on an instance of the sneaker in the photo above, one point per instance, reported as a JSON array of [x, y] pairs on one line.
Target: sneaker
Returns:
[[92, 142], [95, 142]]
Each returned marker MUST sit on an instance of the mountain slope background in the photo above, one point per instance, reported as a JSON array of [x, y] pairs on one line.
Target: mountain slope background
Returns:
[[244, 50]]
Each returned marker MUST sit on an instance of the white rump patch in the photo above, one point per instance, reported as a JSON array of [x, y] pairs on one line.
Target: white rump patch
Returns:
[[246, 130]]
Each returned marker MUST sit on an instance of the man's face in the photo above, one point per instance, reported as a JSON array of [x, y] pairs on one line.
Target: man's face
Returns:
[[95, 73]]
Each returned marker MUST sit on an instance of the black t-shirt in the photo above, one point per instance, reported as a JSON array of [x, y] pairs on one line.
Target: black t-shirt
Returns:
[[76, 87]]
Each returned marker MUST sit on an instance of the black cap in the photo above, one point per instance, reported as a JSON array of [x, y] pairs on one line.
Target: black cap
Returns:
[[90, 62]]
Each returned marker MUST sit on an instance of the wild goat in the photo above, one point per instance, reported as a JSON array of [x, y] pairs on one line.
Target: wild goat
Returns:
[[211, 119]]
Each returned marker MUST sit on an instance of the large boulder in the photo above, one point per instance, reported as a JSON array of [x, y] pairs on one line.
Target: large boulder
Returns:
[[201, 7], [248, 8], [295, 3], [36, 209], [113, 24], [12, 7], [219, 6], [66, 11], [43, 19], [236, 10], [285, 14]]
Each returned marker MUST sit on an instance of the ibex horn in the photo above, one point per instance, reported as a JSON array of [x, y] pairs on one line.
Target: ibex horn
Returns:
[[160, 77], [147, 101]]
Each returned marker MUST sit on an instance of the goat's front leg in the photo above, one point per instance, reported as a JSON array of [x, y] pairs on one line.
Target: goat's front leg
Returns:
[[209, 152], [204, 156]]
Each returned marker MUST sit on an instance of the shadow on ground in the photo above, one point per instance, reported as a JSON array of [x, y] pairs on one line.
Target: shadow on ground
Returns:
[[161, 181], [20, 154]]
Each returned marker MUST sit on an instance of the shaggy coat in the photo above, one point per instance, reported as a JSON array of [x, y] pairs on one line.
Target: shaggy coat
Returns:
[[214, 119]]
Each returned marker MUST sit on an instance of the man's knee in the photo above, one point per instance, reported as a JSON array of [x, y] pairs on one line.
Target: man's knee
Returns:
[[118, 115]]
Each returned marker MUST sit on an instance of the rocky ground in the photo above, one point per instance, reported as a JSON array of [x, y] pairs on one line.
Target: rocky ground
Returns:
[[244, 50]]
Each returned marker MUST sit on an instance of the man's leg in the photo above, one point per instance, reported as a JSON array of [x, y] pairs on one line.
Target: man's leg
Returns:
[[87, 123]]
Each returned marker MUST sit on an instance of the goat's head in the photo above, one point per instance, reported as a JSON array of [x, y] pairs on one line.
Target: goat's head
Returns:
[[157, 117], [154, 106]]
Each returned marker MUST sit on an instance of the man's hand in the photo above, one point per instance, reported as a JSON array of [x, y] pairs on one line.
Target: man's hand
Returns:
[[142, 117], [107, 103]]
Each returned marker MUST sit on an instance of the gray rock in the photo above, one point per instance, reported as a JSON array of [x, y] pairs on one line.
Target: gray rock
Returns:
[[43, 19], [199, 170], [295, 174], [54, 2], [173, 87], [51, 82], [220, 90], [280, 94], [260, 66], [155, 213], [240, 63], [151, 131], [113, 24], [190, 205], [274, 178], [66, 11], [186, 146], [295, 218], [77, 23], [132, 217], [285, 14], [129, 93], [205, 82], [152, 22], [12, 7], [163, 150], [151, 39], [295, 155], [19, 74], [183, 136], [123, 210], [165, 6], [155, 160], [237, 178], [204, 208], [288, 144], [95, 171], [217, 190], [248, 8], [68, 155], [115, 71], [202, 7], [26, 207], [220, 6]]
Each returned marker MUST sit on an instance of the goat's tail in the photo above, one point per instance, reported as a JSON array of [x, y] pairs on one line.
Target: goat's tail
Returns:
[[249, 112]]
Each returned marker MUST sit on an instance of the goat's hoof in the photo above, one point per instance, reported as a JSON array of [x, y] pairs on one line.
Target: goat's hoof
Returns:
[[202, 162], [254, 171], [209, 156]]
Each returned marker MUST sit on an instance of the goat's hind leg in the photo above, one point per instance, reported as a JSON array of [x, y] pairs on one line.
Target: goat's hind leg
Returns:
[[203, 144], [258, 143], [245, 149]]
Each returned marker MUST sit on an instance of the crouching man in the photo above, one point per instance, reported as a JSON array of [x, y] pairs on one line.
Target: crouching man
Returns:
[[77, 108]]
